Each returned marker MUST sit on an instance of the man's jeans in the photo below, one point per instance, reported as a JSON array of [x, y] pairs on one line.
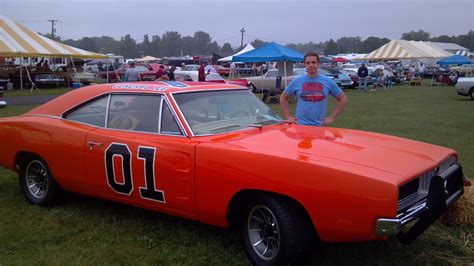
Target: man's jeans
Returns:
[[362, 83]]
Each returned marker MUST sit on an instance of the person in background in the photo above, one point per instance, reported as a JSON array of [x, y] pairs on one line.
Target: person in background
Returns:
[[46, 64], [312, 91], [160, 72], [202, 72], [421, 71], [40, 63], [362, 72], [169, 73], [132, 74], [183, 66]]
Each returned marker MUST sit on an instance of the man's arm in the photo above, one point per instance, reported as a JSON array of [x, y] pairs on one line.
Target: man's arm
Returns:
[[341, 103], [284, 107]]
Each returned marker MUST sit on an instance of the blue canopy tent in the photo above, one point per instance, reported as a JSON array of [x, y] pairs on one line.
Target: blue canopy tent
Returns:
[[454, 60], [271, 52]]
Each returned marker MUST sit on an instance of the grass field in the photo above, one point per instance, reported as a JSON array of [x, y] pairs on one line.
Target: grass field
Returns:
[[89, 231]]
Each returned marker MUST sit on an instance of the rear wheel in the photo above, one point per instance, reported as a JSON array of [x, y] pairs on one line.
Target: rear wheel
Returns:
[[274, 231], [471, 93], [37, 182]]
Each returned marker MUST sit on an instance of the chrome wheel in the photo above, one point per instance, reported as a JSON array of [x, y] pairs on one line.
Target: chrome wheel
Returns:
[[37, 179], [264, 233]]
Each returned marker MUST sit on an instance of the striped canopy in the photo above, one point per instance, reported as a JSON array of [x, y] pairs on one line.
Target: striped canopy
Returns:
[[463, 53], [401, 49], [16, 40]]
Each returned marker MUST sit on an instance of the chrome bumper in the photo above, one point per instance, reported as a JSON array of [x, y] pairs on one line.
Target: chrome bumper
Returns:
[[445, 189]]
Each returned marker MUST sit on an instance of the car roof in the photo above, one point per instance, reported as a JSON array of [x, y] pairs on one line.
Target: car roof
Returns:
[[75, 97]]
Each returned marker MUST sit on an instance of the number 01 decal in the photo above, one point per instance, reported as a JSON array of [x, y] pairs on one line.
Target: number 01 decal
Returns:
[[147, 155]]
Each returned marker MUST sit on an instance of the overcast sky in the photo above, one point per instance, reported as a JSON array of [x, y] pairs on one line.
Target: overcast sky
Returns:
[[282, 21]]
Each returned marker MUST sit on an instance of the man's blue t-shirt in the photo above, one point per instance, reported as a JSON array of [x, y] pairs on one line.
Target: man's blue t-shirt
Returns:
[[312, 97]]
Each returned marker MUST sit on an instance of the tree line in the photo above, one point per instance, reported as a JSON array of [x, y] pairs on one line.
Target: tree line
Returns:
[[172, 43]]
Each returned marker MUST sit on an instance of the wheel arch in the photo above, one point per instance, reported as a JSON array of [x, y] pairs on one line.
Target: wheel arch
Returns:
[[245, 196], [21, 155]]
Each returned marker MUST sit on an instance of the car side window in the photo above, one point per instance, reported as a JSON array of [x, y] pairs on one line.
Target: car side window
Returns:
[[168, 122], [134, 112], [92, 113], [272, 74]]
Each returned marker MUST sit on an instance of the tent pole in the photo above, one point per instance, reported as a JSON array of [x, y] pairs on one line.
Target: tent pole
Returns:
[[21, 72], [284, 65], [107, 67]]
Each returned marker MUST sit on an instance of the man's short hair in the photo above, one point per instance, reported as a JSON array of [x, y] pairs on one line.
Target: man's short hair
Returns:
[[311, 54]]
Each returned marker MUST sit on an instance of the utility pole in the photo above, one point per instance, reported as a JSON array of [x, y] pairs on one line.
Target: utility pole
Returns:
[[53, 30], [242, 40]]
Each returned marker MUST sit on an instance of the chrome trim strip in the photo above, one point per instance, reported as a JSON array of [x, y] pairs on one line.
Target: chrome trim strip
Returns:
[[160, 114], [173, 112], [106, 125]]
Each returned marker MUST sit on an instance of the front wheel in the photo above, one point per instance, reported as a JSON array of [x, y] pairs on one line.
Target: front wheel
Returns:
[[274, 231], [37, 182]]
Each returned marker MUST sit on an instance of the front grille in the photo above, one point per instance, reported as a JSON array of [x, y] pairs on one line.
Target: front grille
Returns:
[[408, 189], [416, 190]]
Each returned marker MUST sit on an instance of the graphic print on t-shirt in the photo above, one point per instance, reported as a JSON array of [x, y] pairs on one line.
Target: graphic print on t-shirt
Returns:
[[312, 92]]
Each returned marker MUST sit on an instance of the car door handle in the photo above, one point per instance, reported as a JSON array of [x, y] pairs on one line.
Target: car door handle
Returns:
[[92, 144]]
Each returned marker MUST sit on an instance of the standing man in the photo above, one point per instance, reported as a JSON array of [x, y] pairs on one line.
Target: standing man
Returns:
[[362, 72], [202, 72], [132, 74], [312, 91]]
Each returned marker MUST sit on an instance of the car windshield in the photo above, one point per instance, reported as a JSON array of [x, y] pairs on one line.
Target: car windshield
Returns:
[[219, 111], [214, 76]]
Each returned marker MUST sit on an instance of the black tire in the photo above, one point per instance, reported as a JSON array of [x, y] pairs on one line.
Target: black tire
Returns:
[[37, 182], [471, 93], [274, 231]]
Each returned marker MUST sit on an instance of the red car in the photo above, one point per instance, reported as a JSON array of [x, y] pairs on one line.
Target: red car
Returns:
[[223, 71], [147, 72], [216, 153]]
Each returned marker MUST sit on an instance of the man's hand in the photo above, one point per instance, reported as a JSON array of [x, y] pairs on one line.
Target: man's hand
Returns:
[[328, 121], [292, 119]]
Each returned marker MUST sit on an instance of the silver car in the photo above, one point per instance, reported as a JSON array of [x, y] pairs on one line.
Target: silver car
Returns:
[[465, 87]]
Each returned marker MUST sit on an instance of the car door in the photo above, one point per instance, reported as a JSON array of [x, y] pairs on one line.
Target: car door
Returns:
[[142, 156]]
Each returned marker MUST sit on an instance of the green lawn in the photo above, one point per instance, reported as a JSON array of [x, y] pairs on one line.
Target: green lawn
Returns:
[[89, 231]]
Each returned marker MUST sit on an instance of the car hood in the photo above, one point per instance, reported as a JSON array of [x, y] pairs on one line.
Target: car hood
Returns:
[[396, 156]]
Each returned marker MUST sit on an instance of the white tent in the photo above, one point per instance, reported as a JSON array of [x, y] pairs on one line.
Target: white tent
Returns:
[[247, 48], [401, 49]]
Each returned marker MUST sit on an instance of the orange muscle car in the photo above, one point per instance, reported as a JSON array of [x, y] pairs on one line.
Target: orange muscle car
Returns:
[[215, 153]]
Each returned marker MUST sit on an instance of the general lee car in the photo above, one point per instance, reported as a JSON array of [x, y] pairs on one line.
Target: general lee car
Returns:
[[215, 153]]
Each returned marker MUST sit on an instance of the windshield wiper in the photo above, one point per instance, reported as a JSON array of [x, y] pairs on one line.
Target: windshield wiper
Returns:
[[269, 121], [225, 127]]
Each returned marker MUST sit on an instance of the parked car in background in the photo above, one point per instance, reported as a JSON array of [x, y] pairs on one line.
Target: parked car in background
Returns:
[[44, 76], [191, 67], [465, 86], [222, 70], [342, 79], [3, 103], [17, 75], [267, 81], [466, 70], [216, 154], [180, 75], [147, 72], [75, 74]]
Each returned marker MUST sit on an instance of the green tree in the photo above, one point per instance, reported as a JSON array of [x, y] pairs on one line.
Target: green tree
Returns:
[[227, 48], [349, 44], [372, 43], [332, 48], [257, 43], [416, 36], [171, 43], [466, 40], [88, 44], [444, 38]]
